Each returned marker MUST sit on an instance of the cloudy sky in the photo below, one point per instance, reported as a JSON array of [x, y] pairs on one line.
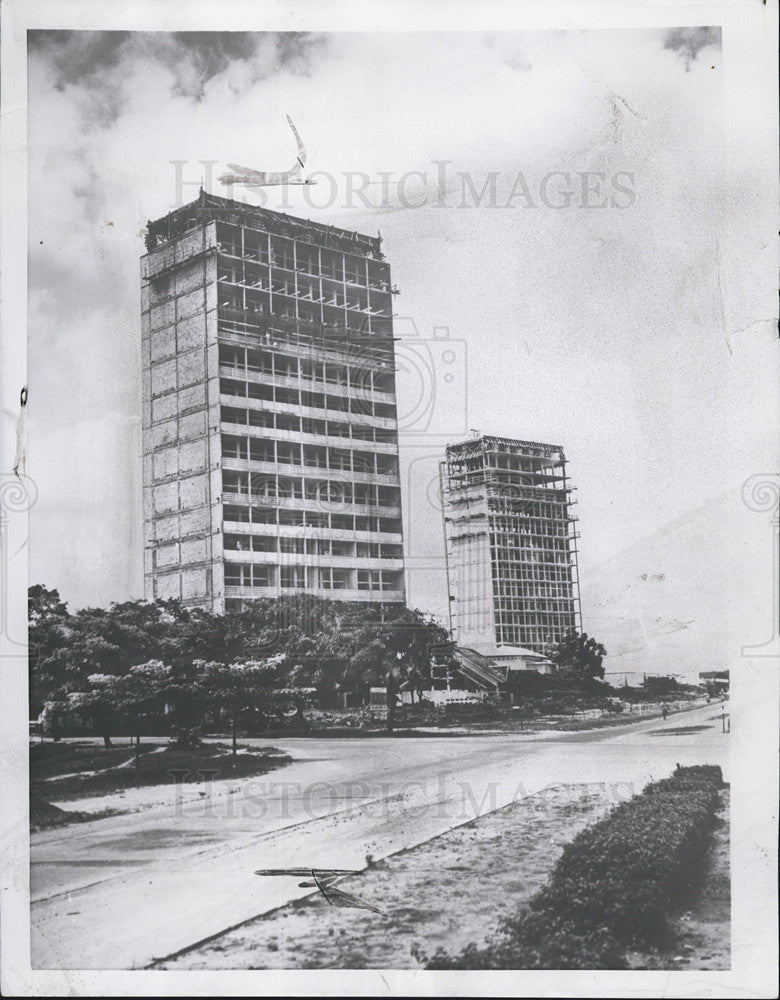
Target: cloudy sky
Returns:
[[634, 333]]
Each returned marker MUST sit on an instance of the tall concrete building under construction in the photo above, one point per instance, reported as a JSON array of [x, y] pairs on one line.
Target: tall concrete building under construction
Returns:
[[269, 410], [511, 543]]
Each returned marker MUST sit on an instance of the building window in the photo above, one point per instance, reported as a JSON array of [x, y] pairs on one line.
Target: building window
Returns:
[[263, 486], [376, 579], [318, 547], [261, 451], [341, 460], [363, 494], [232, 415], [232, 357], [234, 447], [235, 483], [230, 387], [262, 576], [354, 271], [331, 265], [314, 457], [367, 550], [246, 575], [369, 579], [253, 543], [337, 403], [333, 579], [363, 461], [231, 513], [290, 489], [235, 574], [288, 454], [293, 576], [261, 515], [261, 418], [389, 496]]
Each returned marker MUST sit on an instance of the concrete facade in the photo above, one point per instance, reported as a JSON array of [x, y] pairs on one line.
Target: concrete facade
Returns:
[[511, 543], [269, 411]]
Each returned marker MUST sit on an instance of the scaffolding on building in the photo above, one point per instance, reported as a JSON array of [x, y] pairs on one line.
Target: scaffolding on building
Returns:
[[508, 504]]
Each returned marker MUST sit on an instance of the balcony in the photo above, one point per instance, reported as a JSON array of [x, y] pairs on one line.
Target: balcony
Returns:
[[306, 384], [323, 506], [364, 596], [358, 348], [276, 327], [338, 416], [252, 431], [311, 560], [345, 476], [289, 531]]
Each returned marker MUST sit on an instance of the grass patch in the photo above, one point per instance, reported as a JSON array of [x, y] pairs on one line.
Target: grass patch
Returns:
[[680, 730], [71, 771], [614, 886], [48, 760]]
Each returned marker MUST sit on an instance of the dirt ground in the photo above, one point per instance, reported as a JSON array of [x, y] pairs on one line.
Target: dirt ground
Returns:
[[702, 934], [446, 892]]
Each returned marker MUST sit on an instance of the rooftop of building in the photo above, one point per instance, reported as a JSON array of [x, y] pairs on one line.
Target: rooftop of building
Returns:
[[210, 207], [488, 442], [500, 651]]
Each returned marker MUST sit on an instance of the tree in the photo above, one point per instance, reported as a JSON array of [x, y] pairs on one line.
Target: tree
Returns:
[[236, 688], [43, 603], [317, 643], [98, 701], [333, 645], [401, 643], [132, 695], [185, 700], [51, 666], [578, 657], [660, 687]]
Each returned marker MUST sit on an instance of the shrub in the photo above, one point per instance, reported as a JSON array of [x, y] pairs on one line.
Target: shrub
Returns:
[[614, 884], [185, 738]]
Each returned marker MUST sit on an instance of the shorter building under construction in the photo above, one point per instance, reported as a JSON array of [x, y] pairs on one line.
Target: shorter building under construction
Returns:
[[511, 543]]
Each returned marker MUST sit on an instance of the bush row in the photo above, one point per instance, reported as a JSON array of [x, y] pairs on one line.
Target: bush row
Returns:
[[613, 886]]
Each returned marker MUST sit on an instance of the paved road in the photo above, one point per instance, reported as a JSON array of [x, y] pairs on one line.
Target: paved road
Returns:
[[119, 892]]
